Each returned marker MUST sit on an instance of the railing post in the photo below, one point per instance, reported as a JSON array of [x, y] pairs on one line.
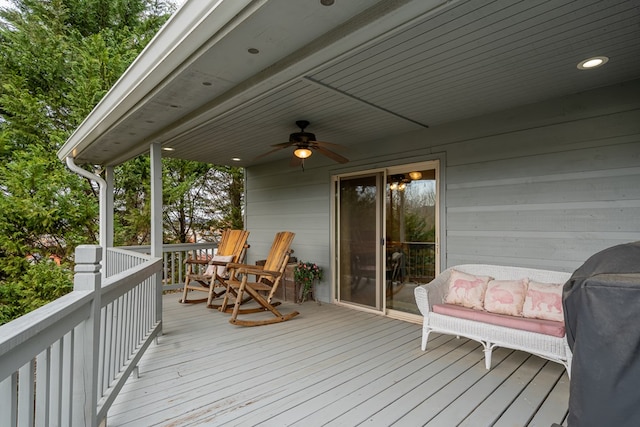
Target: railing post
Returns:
[[86, 338]]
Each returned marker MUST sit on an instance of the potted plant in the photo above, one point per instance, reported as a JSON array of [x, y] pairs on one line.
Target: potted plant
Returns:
[[304, 274]]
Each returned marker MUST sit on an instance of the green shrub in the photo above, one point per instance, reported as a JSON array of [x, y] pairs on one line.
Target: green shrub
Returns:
[[40, 284]]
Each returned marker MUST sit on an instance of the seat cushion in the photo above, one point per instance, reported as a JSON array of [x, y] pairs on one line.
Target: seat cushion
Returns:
[[540, 326]]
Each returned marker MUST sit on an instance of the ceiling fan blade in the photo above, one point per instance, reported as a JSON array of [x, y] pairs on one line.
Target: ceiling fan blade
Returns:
[[284, 144], [295, 161], [330, 154], [279, 147], [327, 144]]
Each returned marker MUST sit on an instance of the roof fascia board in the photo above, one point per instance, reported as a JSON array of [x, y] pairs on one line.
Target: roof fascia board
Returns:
[[182, 35]]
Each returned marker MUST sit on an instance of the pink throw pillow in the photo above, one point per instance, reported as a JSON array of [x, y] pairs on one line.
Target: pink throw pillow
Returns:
[[505, 296], [544, 301], [466, 289]]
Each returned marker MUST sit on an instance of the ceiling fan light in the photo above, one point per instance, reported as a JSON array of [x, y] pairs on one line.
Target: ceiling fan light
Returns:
[[302, 153]]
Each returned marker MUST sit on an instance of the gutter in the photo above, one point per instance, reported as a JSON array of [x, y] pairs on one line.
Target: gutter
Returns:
[[103, 197]]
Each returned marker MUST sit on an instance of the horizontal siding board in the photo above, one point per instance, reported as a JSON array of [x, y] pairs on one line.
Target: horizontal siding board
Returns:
[[512, 179], [555, 264], [565, 254], [616, 188], [614, 219], [532, 158], [499, 250]]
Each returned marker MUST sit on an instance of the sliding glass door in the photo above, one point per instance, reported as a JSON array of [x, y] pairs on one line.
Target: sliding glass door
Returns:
[[359, 240], [386, 236], [411, 230]]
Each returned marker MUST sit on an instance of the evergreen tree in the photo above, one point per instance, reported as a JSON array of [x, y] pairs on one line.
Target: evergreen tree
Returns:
[[58, 59]]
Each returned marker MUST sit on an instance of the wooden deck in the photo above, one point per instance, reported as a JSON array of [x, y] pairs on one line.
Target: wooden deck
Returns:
[[331, 366]]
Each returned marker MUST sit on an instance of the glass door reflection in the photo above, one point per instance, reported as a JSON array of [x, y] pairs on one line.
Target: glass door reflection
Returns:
[[410, 250]]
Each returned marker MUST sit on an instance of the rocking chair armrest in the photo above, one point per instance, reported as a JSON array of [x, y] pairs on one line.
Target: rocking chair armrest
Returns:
[[253, 269], [236, 265], [272, 273]]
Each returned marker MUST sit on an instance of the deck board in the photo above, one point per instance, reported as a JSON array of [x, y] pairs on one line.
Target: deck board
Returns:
[[330, 366]]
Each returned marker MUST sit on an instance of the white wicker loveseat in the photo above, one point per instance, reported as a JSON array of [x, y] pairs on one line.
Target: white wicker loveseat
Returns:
[[550, 347]]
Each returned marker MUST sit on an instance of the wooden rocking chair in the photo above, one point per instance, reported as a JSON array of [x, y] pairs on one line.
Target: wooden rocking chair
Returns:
[[267, 279], [232, 248]]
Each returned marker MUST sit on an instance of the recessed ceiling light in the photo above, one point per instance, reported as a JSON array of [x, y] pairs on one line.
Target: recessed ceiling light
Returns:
[[207, 83], [253, 51], [594, 62], [168, 149], [327, 2]]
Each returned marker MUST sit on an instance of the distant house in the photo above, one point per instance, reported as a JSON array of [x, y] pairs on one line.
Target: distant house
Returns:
[[480, 111]]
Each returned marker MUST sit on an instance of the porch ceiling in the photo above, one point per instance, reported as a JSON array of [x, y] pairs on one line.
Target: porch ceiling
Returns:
[[359, 70]]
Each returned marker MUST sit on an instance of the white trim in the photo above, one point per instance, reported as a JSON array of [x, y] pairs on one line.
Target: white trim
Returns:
[[156, 199], [109, 177]]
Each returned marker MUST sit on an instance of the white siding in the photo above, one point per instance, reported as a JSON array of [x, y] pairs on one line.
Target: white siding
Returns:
[[542, 186]]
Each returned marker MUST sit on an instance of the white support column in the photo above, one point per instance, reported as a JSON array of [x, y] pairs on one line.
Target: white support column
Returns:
[[109, 205], [156, 218], [86, 345]]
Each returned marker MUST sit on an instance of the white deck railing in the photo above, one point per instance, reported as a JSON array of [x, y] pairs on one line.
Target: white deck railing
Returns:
[[65, 363], [173, 259]]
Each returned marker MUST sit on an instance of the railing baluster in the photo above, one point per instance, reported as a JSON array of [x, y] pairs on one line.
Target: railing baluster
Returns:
[[43, 377], [8, 397], [56, 383], [66, 379], [103, 350]]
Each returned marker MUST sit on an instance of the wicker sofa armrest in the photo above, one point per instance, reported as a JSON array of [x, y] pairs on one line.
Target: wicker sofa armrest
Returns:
[[432, 293]]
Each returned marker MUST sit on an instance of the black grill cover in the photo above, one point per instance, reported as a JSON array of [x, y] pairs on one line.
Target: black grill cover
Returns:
[[602, 314]]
